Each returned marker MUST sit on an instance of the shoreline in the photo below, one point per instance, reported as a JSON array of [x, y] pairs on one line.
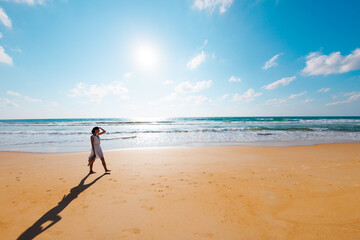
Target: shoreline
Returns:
[[69, 135], [195, 145]]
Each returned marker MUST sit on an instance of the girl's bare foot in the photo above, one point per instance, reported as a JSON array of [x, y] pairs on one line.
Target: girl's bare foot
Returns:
[[107, 170], [91, 172]]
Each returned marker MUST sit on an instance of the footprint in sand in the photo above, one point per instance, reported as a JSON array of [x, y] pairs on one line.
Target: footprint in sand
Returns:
[[148, 208], [193, 184], [205, 235], [56, 233], [180, 200], [132, 230], [49, 190]]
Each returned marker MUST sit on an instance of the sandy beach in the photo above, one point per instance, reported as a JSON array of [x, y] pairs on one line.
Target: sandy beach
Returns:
[[218, 192]]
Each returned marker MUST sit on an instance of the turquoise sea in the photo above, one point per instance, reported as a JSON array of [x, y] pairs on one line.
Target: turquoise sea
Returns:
[[72, 135]]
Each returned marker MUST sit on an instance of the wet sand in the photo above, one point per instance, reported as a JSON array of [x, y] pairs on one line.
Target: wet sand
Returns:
[[217, 192]]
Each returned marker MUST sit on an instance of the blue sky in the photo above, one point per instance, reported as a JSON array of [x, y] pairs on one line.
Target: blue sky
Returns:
[[71, 59]]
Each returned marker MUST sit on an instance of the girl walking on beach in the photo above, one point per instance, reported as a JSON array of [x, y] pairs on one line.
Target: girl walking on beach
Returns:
[[96, 151]]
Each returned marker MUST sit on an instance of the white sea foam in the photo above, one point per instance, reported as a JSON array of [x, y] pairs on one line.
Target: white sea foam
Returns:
[[62, 135]]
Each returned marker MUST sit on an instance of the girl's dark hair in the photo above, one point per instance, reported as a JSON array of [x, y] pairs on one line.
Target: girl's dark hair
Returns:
[[93, 130]]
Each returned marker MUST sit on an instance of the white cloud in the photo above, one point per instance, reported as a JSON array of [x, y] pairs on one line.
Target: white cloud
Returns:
[[4, 19], [4, 58], [196, 61], [127, 75], [211, 5], [197, 99], [308, 100], [1, 35], [234, 79], [12, 93], [200, 99], [279, 83], [353, 96], [53, 104], [170, 97], [318, 64], [8, 102], [292, 96], [275, 101], [16, 94], [272, 62], [17, 50], [205, 43], [95, 93], [324, 90], [350, 94], [185, 87], [248, 96], [31, 99], [29, 2], [223, 97], [167, 82]]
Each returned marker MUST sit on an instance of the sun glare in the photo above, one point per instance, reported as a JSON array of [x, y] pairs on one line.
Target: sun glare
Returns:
[[147, 56]]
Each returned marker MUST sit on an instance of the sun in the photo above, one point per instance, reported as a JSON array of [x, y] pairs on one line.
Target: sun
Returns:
[[146, 56]]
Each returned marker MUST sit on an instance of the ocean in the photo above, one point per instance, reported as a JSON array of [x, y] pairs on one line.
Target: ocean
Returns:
[[73, 135]]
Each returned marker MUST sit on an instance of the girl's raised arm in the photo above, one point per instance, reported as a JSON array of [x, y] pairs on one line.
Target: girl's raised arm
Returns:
[[103, 131]]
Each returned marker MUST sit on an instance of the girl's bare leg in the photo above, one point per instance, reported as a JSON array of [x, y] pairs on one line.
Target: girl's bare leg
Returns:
[[91, 167], [104, 165]]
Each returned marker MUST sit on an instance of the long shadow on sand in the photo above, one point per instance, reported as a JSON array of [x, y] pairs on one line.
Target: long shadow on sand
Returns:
[[53, 214]]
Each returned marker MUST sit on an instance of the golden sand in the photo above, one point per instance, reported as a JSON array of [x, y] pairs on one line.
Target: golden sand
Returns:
[[223, 192]]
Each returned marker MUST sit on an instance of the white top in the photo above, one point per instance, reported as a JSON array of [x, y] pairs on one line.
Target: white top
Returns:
[[97, 147]]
